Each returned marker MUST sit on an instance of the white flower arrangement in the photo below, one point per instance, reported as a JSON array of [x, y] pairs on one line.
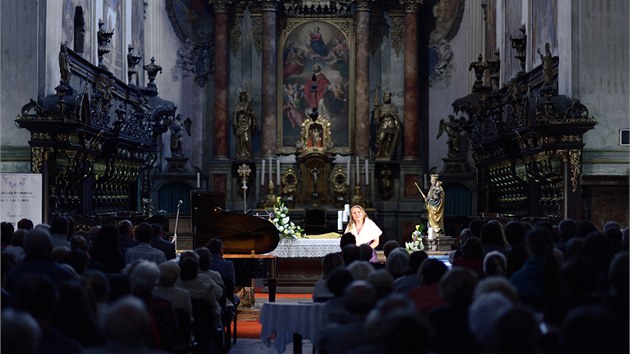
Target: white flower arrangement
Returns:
[[280, 217], [416, 243]]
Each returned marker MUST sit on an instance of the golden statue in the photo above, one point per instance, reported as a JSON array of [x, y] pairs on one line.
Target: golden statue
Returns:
[[434, 200], [244, 126]]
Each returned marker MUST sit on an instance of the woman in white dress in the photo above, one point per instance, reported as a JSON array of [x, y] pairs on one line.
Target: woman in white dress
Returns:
[[364, 229]]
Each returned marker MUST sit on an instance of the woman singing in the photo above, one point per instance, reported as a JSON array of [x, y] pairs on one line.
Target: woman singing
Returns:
[[364, 229]]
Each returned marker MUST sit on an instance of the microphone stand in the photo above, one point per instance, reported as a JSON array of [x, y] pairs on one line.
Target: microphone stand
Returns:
[[175, 230]]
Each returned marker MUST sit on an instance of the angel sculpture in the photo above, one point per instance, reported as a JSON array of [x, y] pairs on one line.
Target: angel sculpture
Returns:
[[177, 128], [454, 129]]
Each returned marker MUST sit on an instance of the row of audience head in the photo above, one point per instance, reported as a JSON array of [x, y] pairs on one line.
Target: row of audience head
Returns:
[[531, 289], [84, 294]]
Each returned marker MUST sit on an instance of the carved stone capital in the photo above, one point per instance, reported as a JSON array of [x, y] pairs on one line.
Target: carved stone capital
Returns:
[[412, 6], [220, 6], [269, 5], [364, 5]]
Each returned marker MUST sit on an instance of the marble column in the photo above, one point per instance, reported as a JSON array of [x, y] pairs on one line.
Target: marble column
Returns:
[[411, 103], [362, 81], [269, 78], [221, 37]]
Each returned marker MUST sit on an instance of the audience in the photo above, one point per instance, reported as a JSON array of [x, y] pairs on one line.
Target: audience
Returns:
[[550, 289], [359, 298], [334, 311], [158, 241], [405, 283], [494, 263], [426, 296], [397, 264], [105, 250], [450, 322], [38, 248], [143, 250], [59, 227], [517, 332], [20, 332], [538, 280], [321, 292], [126, 329], [126, 236]]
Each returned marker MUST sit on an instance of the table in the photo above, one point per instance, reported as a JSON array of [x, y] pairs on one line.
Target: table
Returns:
[[306, 248], [290, 321]]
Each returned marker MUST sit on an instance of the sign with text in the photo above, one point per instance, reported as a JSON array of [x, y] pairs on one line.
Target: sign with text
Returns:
[[21, 197]]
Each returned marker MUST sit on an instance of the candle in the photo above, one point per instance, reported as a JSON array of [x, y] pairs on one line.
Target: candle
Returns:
[[367, 167], [357, 177], [348, 171], [262, 173], [270, 167], [277, 172], [198, 180], [346, 212], [339, 220]]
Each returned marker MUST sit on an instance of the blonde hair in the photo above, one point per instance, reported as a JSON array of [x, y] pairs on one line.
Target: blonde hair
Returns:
[[351, 219]]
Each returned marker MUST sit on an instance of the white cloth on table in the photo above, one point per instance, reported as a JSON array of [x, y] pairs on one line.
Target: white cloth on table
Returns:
[[285, 319], [306, 248]]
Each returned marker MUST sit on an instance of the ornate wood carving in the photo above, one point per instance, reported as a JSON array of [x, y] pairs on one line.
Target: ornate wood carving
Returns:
[[526, 142], [95, 147]]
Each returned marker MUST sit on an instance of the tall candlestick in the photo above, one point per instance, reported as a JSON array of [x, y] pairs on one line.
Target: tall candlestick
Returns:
[[339, 220], [198, 180], [348, 171], [357, 180], [346, 212], [367, 167], [270, 167], [262, 173], [278, 173]]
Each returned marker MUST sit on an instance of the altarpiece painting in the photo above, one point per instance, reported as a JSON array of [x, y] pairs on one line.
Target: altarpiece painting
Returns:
[[322, 50]]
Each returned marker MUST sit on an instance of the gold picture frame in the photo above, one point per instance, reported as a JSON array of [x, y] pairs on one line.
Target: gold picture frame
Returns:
[[329, 44]]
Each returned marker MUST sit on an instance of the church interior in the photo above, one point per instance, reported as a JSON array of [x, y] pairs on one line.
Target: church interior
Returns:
[[211, 117], [130, 107]]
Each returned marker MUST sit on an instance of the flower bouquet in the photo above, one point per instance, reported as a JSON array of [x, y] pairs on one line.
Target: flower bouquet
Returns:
[[416, 243], [280, 217]]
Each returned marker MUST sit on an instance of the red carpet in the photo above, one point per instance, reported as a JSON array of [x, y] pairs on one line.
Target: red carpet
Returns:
[[248, 329], [251, 329]]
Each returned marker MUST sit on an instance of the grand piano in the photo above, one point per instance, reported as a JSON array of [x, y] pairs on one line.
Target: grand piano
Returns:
[[245, 238]]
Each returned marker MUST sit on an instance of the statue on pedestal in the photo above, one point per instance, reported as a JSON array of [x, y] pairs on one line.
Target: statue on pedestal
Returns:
[[434, 200], [454, 129], [388, 127], [244, 126], [178, 128]]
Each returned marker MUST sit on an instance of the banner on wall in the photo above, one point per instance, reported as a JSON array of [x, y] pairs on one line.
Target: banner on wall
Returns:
[[21, 197]]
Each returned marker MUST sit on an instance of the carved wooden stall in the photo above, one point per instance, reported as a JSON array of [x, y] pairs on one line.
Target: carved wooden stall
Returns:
[[526, 140], [95, 140]]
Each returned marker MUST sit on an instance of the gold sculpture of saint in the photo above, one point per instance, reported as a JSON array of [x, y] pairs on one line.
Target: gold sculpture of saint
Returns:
[[434, 200]]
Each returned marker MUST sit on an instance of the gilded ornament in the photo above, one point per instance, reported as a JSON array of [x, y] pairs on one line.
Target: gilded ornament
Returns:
[[574, 161]]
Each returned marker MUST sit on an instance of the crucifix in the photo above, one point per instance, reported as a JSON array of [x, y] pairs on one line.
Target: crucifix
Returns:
[[315, 173]]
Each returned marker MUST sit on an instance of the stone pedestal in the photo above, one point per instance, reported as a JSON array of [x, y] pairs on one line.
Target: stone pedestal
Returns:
[[177, 164], [444, 243]]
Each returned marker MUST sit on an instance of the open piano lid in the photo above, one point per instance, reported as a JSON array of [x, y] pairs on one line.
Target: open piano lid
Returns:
[[240, 233]]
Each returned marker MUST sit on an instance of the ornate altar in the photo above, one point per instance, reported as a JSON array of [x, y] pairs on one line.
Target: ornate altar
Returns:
[[315, 162]]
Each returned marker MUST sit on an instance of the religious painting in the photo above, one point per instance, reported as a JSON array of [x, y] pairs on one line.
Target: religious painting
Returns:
[[317, 65]]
